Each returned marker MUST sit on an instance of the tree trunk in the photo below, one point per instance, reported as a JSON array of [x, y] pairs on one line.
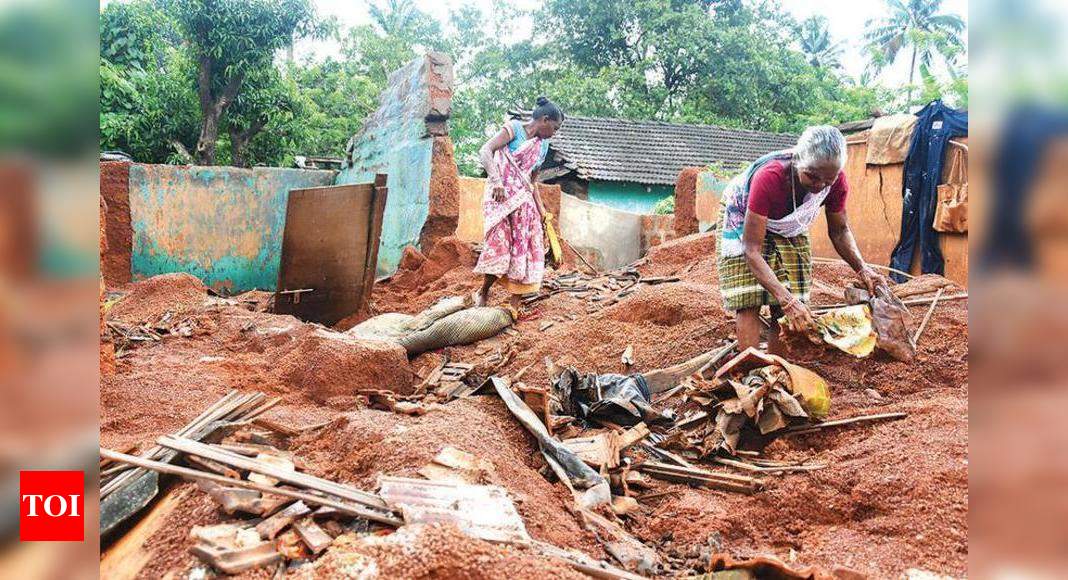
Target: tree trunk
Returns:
[[212, 108], [912, 70], [239, 140]]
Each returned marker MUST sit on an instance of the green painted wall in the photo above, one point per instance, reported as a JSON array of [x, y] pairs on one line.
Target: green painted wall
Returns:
[[221, 224], [628, 196], [395, 141]]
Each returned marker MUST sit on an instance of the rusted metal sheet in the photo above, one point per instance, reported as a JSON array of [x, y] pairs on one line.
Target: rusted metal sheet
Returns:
[[330, 250], [482, 511]]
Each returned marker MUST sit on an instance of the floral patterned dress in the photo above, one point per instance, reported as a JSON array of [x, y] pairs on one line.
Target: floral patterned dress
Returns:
[[514, 240]]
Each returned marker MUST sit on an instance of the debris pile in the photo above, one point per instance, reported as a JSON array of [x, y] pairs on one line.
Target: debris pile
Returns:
[[648, 447]]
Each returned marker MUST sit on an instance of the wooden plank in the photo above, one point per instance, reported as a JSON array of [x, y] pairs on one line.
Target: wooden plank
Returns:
[[291, 477], [308, 498], [330, 244]]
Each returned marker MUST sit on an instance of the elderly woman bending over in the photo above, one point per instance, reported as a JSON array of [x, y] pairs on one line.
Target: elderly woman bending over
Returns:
[[764, 254]]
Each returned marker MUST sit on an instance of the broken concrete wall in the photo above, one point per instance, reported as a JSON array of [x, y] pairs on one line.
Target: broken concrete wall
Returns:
[[608, 238], [708, 194], [656, 229], [221, 224], [469, 222], [115, 218], [686, 201], [398, 140], [444, 199]]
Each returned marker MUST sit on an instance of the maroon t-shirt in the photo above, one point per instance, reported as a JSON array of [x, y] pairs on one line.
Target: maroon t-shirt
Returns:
[[769, 192]]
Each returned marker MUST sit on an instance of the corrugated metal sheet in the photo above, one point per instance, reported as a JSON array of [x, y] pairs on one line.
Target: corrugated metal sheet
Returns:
[[482, 511]]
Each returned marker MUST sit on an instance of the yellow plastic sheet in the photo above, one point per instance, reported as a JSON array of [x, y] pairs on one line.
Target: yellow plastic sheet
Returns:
[[849, 329]]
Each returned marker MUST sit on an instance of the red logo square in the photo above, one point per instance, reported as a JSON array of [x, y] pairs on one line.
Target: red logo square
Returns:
[[51, 506]]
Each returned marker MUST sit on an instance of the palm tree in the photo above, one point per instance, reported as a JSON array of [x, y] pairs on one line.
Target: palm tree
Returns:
[[395, 17], [817, 46], [919, 25]]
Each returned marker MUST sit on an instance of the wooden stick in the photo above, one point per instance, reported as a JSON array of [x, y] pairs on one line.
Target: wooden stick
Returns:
[[768, 468], [577, 253], [879, 266], [223, 406], [839, 422], [292, 477], [913, 302], [197, 475], [697, 472], [926, 318]]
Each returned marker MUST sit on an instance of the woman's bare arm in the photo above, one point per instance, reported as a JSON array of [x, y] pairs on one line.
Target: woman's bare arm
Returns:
[[485, 154], [846, 245]]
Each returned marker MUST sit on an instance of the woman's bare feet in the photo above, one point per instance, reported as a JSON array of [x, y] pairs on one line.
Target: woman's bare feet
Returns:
[[478, 297]]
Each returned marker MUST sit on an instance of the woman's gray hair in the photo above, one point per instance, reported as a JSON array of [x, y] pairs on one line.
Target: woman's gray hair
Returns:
[[819, 144]]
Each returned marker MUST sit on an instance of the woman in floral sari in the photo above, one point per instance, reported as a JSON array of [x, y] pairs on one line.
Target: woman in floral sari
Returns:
[[514, 250]]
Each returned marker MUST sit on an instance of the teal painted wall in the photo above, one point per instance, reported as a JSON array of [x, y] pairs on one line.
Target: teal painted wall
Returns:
[[627, 196], [394, 141], [221, 224]]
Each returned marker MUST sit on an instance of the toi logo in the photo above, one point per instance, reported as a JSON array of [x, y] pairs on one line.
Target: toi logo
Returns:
[[51, 506]]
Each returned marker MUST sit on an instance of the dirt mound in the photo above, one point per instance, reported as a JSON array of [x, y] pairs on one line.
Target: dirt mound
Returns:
[[378, 442], [682, 251], [149, 300], [667, 306], [430, 551], [411, 259], [323, 364], [447, 254]]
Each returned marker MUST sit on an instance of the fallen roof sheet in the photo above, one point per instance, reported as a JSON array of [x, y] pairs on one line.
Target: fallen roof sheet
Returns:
[[482, 511]]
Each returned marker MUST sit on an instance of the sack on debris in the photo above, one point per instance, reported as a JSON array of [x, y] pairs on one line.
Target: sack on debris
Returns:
[[463, 327], [620, 399], [447, 323]]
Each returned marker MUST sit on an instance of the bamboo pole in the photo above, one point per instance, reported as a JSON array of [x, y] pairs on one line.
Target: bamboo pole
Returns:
[[926, 318]]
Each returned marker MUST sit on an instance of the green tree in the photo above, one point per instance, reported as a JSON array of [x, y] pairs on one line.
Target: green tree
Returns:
[[817, 45], [231, 41], [918, 25]]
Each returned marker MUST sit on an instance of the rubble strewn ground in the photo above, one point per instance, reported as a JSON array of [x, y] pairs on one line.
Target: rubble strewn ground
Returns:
[[893, 496]]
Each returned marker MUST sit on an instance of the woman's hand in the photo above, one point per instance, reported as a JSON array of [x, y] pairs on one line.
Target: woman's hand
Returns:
[[871, 278], [798, 316], [498, 192]]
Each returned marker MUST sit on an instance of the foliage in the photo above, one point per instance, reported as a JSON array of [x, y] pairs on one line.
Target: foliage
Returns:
[[737, 63], [817, 45], [917, 25], [665, 206]]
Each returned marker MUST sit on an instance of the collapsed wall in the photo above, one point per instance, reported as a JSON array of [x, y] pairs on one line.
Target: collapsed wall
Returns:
[[406, 138], [223, 225]]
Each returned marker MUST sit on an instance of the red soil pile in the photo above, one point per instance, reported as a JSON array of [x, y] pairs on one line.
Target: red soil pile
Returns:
[[379, 442], [893, 495], [115, 195], [431, 551], [411, 259], [686, 202], [323, 364], [149, 300]]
